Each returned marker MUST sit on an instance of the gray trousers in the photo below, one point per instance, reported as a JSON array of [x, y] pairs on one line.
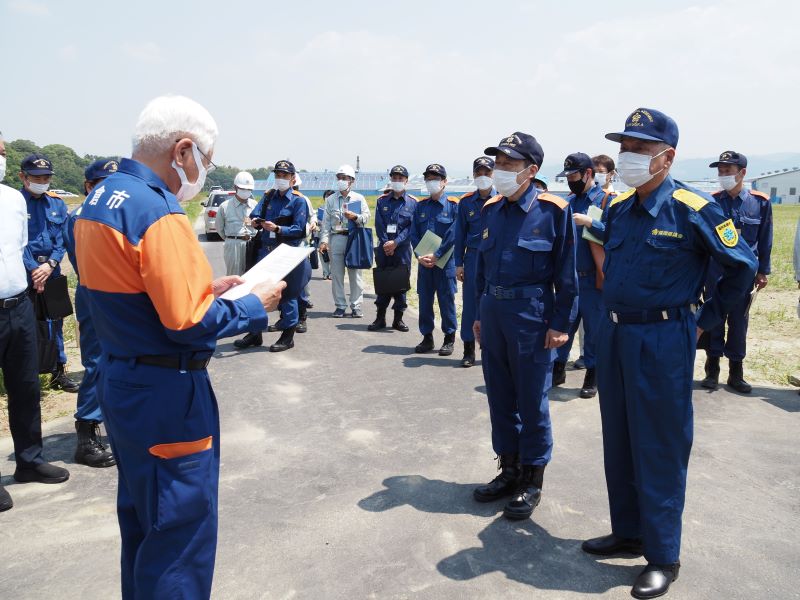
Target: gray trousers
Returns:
[[233, 252], [337, 245]]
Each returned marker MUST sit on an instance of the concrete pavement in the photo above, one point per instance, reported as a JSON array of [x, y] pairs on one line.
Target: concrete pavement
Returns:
[[347, 469]]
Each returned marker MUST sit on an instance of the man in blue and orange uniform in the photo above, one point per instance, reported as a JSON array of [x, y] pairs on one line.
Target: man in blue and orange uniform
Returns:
[[659, 237], [751, 213], [436, 213], [468, 236], [526, 285], [90, 450], [393, 217], [158, 315], [579, 172], [281, 217], [46, 215]]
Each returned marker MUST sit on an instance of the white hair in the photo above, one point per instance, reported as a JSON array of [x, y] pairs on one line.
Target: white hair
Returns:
[[167, 119]]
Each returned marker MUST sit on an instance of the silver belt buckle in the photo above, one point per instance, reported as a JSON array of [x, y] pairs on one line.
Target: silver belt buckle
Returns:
[[664, 315], [613, 316]]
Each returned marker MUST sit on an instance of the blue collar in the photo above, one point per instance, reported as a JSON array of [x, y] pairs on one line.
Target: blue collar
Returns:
[[143, 172], [659, 196], [526, 201]]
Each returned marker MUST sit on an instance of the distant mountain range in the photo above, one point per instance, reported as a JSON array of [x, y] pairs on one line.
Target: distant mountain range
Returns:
[[697, 168]]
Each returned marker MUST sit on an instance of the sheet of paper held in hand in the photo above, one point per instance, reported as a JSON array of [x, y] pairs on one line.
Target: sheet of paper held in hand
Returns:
[[429, 244], [273, 267], [596, 214]]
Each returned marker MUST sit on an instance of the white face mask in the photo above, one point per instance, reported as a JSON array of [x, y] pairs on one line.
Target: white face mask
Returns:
[[188, 190], [282, 184], [398, 186], [37, 189], [483, 182], [2, 167], [728, 182], [243, 194], [434, 186], [506, 182], [634, 168], [600, 178], [342, 184]]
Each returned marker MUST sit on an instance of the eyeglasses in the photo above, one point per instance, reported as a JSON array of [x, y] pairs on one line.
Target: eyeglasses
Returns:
[[211, 166]]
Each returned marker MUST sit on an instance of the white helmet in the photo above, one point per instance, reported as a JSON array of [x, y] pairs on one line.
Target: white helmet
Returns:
[[347, 170], [297, 181], [244, 181]]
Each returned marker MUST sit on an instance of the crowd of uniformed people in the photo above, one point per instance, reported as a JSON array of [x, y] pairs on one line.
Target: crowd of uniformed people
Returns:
[[642, 274]]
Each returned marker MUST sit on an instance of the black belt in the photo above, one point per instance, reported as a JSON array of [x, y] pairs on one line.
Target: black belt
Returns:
[[13, 300], [640, 317], [514, 293], [586, 273], [172, 362], [339, 232], [246, 238]]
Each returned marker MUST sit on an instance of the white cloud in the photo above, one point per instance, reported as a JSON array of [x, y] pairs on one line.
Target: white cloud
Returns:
[[149, 52], [29, 8]]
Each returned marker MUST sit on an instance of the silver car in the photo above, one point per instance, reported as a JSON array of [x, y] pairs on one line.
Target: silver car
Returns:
[[215, 200]]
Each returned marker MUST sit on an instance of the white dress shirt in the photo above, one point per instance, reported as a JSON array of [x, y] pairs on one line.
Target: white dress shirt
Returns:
[[13, 239]]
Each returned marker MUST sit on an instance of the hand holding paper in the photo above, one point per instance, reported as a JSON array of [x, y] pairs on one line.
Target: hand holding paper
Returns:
[[272, 268]]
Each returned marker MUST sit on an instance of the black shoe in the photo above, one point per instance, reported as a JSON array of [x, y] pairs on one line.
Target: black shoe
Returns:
[[469, 354], [5, 500], [559, 373], [302, 327], [91, 451], [309, 304], [380, 320], [285, 342], [42, 473], [398, 322], [579, 364], [502, 485], [589, 387], [736, 378], [527, 495], [447, 345], [251, 339], [610, 545], [655, 580], [426, 345], [338, 313], [273, 328], [60, 381], [711, 380]]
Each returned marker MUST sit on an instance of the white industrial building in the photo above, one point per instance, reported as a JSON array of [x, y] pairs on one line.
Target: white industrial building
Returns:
[[783, 187]]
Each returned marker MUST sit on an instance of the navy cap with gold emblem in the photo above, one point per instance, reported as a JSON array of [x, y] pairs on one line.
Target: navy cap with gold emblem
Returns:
[[729, 157], [100, 169], [36, 164], [398, 170], [436, 169], [576, 162], [648, 124], [284, 166], [482, 162], [519, 146]]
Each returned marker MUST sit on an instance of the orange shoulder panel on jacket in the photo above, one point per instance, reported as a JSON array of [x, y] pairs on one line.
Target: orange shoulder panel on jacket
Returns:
[[453, 199], [557, 200], [492, 200], [761, 195], [107, 261], [175, 272]]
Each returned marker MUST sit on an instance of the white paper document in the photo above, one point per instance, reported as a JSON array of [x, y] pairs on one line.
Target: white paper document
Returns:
[[273, 267]]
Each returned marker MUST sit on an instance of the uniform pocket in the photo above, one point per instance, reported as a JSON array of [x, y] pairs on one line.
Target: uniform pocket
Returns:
[[531, 346], [538, 250], [184, 482]]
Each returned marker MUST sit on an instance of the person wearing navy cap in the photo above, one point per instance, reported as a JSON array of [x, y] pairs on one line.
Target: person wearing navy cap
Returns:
[[751, 212], [46, 215], [281, 216], [436, 213], [526, 289], [394, 213], [579, 171], [90, 449], [468, 237], [659, 238]]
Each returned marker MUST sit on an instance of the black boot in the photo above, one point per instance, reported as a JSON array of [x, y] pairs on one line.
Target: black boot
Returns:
[[527, 495], [301, 324], [6, 502], [711, 380], [380, 320], [469, 354], [91, 451], [251, 339], [559, 373], [285, 342], [60, 381], [447, 345], [655, 580], [426, 345], [736, 377], [502, 485], [398, 322], [589, 387]]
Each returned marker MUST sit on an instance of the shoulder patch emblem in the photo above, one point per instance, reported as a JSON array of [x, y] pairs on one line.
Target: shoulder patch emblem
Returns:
[[727, 233]]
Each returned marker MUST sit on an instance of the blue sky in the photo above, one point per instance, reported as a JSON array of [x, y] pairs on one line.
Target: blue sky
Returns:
[[410, 82]]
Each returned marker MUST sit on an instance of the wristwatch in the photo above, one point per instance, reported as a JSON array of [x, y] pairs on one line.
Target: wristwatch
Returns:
[[52, 262]]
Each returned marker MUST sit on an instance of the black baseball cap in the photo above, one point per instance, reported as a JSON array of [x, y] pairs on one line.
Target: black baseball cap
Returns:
[[36, 164], [436, 169], [482, 162], [519, 146], [729, 157], [398, 170], [575, 162], [648, 124], [284, 166]]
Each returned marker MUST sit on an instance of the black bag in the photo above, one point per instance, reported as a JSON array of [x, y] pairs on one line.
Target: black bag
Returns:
[[314, 258], [392, 280], [48, 349], [53, 303], [251, 251]]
